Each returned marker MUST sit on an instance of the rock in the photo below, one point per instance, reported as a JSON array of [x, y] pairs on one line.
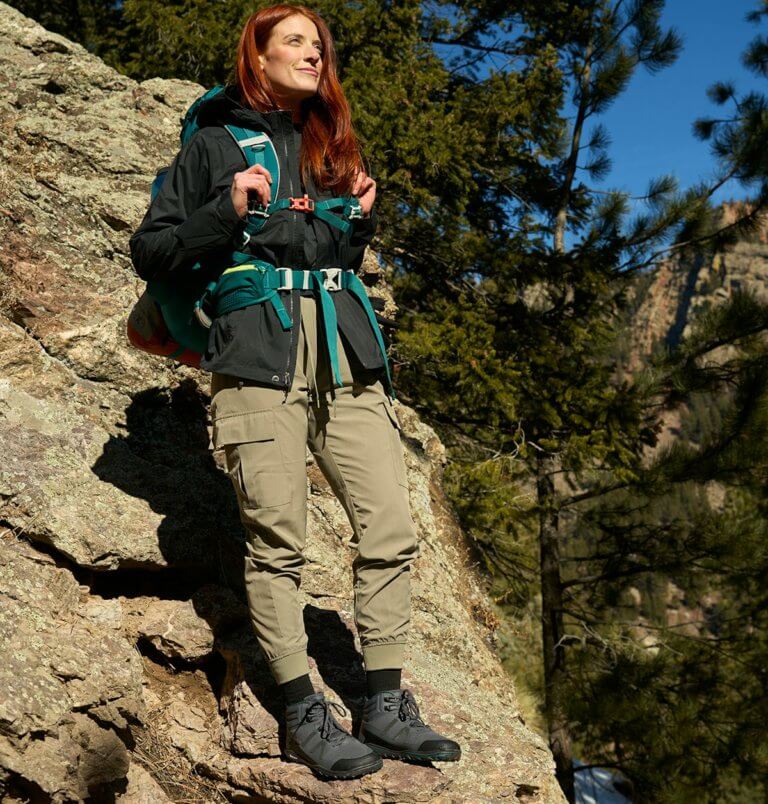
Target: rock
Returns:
[[635, 596], [141, 788], [70, 681], [184, 629], [669, 298]]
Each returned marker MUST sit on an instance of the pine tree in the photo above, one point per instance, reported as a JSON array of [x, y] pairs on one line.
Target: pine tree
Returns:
[[680, 708], [511, 353]]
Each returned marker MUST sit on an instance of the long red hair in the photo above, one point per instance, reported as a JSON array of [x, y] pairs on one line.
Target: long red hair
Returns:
[[330, 150]]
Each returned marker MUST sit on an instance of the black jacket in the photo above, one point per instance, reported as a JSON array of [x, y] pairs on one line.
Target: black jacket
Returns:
[[193, 216]]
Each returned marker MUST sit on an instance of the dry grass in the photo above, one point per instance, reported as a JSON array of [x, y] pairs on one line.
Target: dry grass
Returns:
[[172, 771]]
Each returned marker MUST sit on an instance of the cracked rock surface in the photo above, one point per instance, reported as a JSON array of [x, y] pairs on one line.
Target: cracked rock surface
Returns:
[[130, 670]]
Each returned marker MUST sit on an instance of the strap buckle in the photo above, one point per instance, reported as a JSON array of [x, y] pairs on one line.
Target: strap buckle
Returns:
[[331, 278], [355, 211], [203, 319], [290, 278], [255, 207], [303, 204]]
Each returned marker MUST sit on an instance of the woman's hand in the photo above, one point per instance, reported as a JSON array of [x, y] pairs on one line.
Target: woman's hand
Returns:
[[364, 189], [256, 179]]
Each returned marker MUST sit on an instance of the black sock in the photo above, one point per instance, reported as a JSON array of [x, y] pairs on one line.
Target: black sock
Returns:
[[380, 680], [297, 688]]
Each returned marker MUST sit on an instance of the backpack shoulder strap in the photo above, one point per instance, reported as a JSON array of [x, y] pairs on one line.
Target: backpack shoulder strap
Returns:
[[258, 149]]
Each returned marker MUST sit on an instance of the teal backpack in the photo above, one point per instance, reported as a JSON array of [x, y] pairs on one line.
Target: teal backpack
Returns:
[[174, 319]]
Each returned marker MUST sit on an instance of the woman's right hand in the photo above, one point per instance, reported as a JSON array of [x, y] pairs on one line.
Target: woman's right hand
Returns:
[[256, 179]]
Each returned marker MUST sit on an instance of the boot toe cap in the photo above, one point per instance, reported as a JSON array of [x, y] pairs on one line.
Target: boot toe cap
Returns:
[[352, 763], [443, 745]]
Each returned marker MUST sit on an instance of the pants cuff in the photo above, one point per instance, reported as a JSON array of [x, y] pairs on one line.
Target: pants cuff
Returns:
[[384, 656], [286, 668]]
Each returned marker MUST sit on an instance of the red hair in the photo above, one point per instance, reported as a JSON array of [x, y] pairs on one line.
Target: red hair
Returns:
[[330, 150]]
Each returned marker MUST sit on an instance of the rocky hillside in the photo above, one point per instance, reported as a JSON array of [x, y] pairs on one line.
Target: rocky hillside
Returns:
[[678, 288], [130, 671], [668, 298]]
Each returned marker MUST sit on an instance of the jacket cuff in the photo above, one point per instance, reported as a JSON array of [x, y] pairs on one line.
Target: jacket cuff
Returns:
[[365, 225], [226, 212]]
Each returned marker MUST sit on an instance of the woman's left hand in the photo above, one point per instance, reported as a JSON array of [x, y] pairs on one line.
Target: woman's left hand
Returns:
[[365, 190]]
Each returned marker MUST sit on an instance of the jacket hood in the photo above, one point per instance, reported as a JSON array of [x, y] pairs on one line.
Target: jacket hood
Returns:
[[227, 108]]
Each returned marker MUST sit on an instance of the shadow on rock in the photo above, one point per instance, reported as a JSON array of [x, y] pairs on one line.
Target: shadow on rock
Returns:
[[164, 458]]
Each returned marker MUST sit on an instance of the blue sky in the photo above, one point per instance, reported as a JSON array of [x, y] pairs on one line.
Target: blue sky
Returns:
[[651, 123]]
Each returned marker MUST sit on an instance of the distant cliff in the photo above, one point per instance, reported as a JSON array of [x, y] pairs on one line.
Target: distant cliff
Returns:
[[669, 298], [667, 301]]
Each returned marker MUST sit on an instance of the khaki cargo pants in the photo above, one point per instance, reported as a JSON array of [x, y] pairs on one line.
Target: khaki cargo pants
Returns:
[[355, 440]]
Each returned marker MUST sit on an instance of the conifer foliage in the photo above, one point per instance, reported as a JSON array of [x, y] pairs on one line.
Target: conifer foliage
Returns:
[[515, 354], [680, 705]]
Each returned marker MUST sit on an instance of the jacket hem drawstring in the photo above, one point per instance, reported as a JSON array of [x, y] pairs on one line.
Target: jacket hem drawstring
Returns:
[[307, 345]]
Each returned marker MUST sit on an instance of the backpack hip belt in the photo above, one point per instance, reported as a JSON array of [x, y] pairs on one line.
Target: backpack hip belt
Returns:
[[258, 281]]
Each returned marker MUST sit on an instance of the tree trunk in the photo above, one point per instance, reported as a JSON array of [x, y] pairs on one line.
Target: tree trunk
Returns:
[[552, 626], [549, 545]]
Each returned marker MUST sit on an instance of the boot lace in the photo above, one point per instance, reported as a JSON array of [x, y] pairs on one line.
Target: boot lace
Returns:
[[329, 728], [408, 709]]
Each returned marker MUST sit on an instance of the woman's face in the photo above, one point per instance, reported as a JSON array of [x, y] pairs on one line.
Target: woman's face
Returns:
[[293, 59]]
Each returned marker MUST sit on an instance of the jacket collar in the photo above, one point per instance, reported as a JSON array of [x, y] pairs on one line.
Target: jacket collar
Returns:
[[227, 108]]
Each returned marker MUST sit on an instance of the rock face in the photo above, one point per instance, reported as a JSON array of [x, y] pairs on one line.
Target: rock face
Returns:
[[130, 669], [678, 288], [669, 297]]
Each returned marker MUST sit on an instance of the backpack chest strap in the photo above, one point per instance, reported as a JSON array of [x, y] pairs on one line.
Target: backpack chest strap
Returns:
[[349, 206]]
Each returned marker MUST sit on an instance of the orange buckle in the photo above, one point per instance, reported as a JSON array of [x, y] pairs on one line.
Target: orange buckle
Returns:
[[303, 204]]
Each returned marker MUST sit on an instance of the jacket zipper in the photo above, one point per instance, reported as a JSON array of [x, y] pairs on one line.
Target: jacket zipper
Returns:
[[290, 292]]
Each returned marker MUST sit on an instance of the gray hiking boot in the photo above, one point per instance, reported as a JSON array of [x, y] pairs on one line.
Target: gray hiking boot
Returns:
[[392, 727], [315, 739]]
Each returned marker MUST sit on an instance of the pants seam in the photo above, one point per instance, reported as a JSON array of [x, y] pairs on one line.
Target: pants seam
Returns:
[[367, 645], [345, 490]]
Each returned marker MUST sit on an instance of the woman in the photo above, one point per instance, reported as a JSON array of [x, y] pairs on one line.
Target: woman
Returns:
[[274, 391]]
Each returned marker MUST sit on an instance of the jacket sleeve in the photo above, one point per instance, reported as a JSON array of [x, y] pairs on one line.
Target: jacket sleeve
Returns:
[[182, 224], [363, 230]]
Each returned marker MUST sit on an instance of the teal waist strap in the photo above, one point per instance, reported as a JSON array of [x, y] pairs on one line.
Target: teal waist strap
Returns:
[[257, 281]]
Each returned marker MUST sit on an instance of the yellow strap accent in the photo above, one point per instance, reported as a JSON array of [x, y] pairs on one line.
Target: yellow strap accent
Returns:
[[242, 268]]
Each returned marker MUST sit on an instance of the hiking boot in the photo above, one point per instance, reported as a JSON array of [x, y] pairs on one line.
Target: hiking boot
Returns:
[[391, 726], [314, 738]]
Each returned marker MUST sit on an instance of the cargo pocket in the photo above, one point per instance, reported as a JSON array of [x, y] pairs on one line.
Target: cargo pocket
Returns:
[[254, 460], [396, 446]]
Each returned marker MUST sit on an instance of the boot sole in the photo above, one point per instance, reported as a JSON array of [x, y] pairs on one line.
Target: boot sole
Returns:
[[435, 756], [352, 773]]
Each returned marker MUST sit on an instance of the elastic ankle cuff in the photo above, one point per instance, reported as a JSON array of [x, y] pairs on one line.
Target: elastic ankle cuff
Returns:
[[286, 668], [384, 656]]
